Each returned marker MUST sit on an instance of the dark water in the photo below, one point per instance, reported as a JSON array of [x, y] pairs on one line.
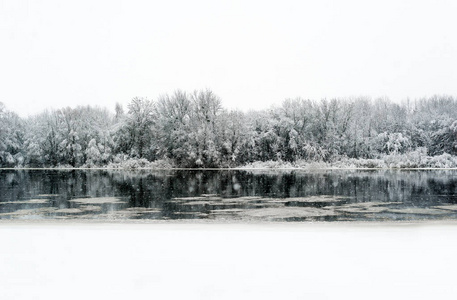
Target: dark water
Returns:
[[238, 196]]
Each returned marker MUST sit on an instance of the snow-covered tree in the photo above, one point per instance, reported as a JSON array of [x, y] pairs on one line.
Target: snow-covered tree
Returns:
[[137, 133], [11, 138]]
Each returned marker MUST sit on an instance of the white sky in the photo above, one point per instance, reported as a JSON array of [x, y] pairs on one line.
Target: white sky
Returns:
[[250, 53]]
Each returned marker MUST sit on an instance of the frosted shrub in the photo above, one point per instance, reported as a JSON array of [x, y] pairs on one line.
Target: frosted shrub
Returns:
[[359, 163], [271, 164], [444, 160], [310, 165], [140, 163], [370, 163], [419, 159]]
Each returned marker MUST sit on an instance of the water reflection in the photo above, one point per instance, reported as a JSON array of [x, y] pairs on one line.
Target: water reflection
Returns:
[[228, 195]]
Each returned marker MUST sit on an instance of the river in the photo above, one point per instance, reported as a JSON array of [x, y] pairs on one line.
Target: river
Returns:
[[229, 195]]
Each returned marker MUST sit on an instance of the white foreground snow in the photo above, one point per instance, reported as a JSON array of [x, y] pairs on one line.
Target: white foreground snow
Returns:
[[227, 261]]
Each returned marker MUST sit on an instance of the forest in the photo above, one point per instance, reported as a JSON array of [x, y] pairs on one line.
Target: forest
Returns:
[[194, 130]]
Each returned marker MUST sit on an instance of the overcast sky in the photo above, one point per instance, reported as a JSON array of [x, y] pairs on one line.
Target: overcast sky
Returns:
[[250, 53]]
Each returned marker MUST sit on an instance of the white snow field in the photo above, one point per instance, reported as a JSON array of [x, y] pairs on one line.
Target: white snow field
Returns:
[[228, 261]]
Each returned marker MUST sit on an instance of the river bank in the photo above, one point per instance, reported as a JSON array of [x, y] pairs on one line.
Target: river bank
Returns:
[[227, 261], [410, 160]]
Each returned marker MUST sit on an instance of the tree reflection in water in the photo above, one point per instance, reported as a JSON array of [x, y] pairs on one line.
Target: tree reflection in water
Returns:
[[228, 195]]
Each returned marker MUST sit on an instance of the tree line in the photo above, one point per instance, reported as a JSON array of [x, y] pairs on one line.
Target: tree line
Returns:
[[195, 130]]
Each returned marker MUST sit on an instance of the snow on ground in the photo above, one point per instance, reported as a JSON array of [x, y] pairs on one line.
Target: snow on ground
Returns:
[[227, 261]]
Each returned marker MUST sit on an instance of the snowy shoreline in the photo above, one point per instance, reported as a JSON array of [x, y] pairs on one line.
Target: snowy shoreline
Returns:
[[208, 223], [81, 260], [228, 169]]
